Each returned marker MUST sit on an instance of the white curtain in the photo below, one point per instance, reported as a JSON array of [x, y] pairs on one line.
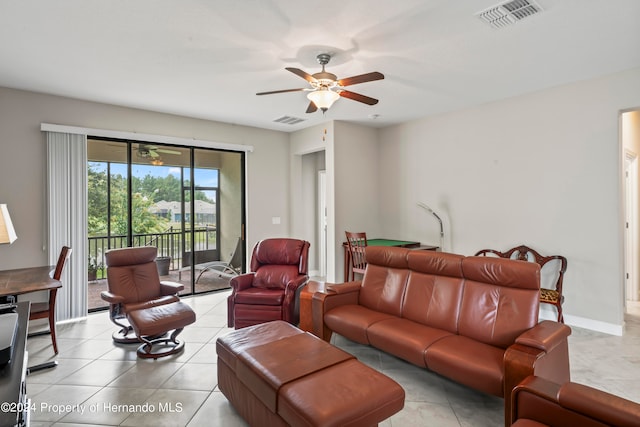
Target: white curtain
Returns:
[[67, 218]]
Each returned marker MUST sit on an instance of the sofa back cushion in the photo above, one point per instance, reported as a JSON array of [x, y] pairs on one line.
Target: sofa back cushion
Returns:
[[434, 289], [500, 300], [385, 279]]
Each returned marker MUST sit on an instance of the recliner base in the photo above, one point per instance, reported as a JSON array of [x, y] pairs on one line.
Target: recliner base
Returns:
[[145, 351]]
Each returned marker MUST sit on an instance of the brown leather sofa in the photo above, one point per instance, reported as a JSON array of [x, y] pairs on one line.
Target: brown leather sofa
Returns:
[[537, 402], [471, 319]]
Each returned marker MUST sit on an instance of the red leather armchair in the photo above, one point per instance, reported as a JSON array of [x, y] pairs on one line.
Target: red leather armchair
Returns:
[[537, 402], [269, 292]]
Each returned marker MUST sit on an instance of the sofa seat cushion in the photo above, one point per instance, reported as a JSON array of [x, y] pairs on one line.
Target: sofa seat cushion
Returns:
[[348, 394], [468, 362], [352, 321], [404, 338], [260, 296]]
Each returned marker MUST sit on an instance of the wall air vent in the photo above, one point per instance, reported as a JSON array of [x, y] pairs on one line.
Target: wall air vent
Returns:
[[508, 13], [289, 120]]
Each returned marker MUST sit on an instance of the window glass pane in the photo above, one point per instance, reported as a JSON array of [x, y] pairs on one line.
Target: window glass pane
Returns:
[[142, 194]]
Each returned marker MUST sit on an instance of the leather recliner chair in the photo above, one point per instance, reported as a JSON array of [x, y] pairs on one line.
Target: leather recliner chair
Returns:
[[133, 281], [537, 402], [279, 270]]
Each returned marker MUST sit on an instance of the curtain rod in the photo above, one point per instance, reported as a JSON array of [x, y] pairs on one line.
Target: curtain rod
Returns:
[[145, 137]]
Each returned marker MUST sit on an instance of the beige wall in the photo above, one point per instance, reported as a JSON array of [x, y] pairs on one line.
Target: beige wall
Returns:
[[353, 193], [542, 169], [22, 163], [358, 176]]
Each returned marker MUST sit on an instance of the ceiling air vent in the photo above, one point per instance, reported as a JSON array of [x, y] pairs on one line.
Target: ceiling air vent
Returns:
[[508, 13], [289, 120]]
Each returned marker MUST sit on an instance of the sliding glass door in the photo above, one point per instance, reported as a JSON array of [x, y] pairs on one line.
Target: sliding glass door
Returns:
[[186, 201]]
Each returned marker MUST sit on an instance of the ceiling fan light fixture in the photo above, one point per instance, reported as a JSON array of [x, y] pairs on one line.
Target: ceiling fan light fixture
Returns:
[[323, 98]]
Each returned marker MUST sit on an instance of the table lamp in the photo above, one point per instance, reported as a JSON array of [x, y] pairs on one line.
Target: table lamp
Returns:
[[7, 232]]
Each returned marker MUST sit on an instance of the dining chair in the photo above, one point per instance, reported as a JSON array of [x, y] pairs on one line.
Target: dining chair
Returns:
[[553, 274], [47, 309], [356, 244]]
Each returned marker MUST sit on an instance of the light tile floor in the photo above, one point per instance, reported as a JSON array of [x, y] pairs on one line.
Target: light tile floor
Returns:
[[100, 383]]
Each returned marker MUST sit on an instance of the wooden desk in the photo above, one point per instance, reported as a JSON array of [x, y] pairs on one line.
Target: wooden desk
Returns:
[[31, 279], [382, 242]]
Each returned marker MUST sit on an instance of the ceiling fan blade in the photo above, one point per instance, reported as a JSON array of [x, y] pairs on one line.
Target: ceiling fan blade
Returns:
[[298, 72], [357, 97], [362, 78], [162, 150], [312, 107], [280, 91]]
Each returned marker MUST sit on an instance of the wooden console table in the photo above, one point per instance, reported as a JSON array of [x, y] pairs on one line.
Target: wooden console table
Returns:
[[306, 297]]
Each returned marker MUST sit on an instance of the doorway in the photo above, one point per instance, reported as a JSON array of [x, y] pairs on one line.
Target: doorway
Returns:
[[322, 223], [630, 132]]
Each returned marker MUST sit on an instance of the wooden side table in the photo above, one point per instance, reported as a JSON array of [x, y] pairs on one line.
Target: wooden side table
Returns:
[[306, 296]]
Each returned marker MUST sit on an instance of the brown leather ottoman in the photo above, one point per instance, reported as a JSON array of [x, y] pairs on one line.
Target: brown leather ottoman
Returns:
[[156, 321], [276, 375]]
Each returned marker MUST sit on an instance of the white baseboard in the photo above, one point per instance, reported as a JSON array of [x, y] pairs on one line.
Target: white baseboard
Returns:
[[582, 322], [75, 319]]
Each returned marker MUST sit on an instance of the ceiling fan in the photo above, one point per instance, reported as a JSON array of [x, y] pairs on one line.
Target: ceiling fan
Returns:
[[151, 151], [326, 88]]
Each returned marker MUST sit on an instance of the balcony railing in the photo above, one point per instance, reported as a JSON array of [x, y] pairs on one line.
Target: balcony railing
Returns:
[[172, 243]]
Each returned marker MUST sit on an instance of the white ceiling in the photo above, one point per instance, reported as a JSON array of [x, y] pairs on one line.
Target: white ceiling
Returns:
[[208, 58]]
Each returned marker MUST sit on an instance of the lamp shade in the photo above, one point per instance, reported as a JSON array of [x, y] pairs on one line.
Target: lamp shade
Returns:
[[323, 98], [7, 233]]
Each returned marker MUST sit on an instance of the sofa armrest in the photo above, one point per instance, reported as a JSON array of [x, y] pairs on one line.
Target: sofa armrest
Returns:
[[293, 285], [598, 404], [532, 398], [343, 288], [570, 404], [290, 308], [545, 336], [241, 282], [335, 295], [170, 288], [542, 351]]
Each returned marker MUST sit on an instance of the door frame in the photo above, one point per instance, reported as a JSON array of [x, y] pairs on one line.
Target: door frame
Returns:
[[631, 225], [322, 223]]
